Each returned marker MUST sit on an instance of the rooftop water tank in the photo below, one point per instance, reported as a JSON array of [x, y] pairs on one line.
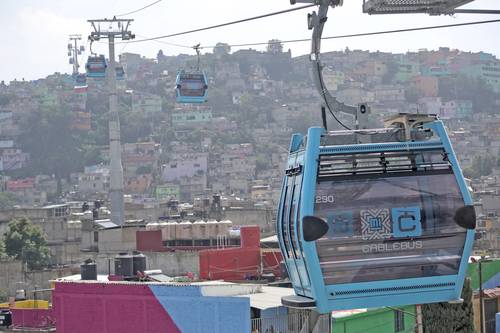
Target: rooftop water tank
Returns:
[[153, 226], [88, 270], [200, 230], [184, 230], [124, 265], [212, 229], [138, 262]]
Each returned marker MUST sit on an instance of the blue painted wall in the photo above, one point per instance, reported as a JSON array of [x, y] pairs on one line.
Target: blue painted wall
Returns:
[[194, 313]]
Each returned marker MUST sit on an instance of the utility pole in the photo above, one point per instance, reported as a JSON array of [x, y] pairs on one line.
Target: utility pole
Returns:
[[114, 28], [74, 52], [481, 310]]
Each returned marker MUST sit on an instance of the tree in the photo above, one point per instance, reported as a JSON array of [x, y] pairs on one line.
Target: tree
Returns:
[[222, 48], [482, 165], [7, 200], [274, 46], [53, 146], [463, 87], [26, 242], [2, 249], [450, 318]]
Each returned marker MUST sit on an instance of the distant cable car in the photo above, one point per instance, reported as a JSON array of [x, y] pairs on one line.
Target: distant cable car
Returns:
[[96, 66], [385, 223], [81, 79], [120, 73], [191, 87]]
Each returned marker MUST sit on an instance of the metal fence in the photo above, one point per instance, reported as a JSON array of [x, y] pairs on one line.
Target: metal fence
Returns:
[[290, 323]]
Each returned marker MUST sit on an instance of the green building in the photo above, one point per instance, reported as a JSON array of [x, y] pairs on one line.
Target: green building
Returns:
[[489, 72], [381, 320], [191, 117], [407, 70], [147, 103], [167, 191]]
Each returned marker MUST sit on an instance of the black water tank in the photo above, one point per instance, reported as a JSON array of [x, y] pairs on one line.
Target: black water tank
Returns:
[[5, 318], [269, 277], [139, 262], [124, 265], [88, 270]]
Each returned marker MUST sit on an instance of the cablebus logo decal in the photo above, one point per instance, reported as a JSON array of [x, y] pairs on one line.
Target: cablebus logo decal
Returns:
[[382, 224], [375, 224]]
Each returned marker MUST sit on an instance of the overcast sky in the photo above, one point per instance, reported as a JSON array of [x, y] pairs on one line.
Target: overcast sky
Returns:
[[35, 33]]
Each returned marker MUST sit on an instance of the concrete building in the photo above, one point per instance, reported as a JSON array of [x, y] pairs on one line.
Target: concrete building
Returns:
[[62, 233], [427, 86], [488, 71], [146, 103], [191, 119]]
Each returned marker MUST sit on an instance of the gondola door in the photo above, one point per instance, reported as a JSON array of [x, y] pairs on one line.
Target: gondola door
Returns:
[[289, 232], [295, 233]]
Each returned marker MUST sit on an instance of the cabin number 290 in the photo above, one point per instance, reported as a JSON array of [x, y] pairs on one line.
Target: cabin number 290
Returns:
[[325, 199]]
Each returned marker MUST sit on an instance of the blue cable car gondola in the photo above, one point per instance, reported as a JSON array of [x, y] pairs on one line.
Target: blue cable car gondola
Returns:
[[120, 73], [191, 87], [80, 80], [384, 223], [372, 217], [96, 66]]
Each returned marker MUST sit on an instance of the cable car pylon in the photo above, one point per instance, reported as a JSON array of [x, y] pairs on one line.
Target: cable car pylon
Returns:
[[116, 28]]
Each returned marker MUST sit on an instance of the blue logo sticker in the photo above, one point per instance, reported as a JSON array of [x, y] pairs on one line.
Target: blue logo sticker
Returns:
[[340, 224], [406, 222], [375, 223]]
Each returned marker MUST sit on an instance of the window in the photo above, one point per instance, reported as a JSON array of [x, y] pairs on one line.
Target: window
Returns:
[[285, 218], [399, 321], [96, 236], [294, 220], [389, 227]]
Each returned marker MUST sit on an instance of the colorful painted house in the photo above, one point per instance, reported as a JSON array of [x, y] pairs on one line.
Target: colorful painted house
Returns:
[[489, 72]]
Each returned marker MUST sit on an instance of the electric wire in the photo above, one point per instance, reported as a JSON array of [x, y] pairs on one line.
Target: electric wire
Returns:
[[223, 24], [362, 34], [138, 10]]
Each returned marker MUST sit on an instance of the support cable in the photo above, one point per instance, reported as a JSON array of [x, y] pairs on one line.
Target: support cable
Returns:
[[362, 34], [222, 24], [138, 10]]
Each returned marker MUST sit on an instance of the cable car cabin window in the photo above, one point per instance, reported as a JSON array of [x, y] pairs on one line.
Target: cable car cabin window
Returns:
[[294, 218], [291, 220], [389, 227], [284, 218], [192, 88]]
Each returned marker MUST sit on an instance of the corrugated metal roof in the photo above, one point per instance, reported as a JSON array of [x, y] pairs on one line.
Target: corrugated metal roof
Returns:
[[106, 224], [269, 297], [270, 239], [492, 293]]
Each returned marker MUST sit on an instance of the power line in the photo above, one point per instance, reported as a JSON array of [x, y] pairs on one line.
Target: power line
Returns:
[[223, 24], [168, 43], [362, 34], [138, 10]]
